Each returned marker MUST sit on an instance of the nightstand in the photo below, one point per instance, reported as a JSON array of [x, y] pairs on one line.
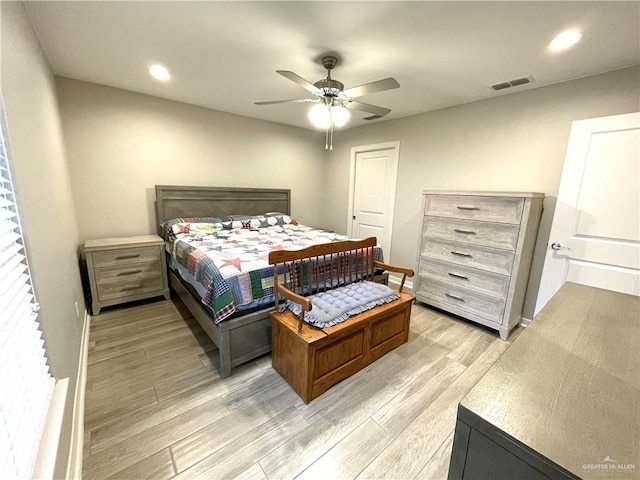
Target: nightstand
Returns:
[[125, 269]]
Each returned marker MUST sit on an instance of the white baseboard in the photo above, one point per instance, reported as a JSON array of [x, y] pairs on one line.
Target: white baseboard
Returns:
[[525, 321], [45, 463], [74, 466], [396, 282]]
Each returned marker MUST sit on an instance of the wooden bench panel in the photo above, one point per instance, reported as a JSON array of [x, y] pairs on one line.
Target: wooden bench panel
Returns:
[[386, 328], [339, 353]]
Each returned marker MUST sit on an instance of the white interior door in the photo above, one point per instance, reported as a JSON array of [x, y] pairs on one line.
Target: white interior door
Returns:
[[595, 234], [373, 187]]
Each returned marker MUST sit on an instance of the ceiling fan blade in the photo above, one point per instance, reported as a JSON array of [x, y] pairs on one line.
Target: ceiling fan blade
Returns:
[[373, 87], [365, 107], [301, 100], [300, 81]]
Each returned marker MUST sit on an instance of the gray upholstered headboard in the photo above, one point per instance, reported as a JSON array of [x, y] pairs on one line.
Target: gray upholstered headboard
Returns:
[[176, 201]]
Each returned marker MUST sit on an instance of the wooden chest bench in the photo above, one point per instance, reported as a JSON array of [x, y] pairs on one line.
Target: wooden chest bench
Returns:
[[313, 359]]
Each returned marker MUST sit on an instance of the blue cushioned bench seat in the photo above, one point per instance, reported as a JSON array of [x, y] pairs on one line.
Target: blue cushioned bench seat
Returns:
[[335, 306]]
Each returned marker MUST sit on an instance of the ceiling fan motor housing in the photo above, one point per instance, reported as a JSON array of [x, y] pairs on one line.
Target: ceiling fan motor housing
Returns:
[[330, 86]]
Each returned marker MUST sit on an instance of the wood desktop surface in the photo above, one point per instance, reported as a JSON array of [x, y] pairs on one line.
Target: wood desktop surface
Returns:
[[569, 386]]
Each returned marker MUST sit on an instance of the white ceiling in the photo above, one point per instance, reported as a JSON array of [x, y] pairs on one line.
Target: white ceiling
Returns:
[[223, 55]]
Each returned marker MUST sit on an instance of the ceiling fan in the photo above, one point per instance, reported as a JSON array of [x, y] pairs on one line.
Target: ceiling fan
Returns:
[[333, 101]]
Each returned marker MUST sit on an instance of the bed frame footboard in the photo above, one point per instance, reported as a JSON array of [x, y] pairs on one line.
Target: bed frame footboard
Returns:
[[239, 340]]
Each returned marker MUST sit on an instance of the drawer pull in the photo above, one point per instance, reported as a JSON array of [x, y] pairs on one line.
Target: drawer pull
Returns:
[[457, 275], [125, 257], [133, 287], [455, 297], [461, 254], [466, 232], [129, 272], [468, 208]]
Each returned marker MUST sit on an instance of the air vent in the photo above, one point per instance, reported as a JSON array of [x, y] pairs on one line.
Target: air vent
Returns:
[[372, 117], [513, 83], [500, 86]]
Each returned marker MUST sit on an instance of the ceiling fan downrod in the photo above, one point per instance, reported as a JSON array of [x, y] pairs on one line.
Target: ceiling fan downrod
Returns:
[[329, 86]]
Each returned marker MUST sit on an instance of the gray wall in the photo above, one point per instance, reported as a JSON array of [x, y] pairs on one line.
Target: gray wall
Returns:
[[121, 144], [46, 207], [515, 142]]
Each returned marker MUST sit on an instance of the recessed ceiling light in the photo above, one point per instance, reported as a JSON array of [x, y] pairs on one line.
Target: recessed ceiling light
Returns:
[[159, 73], [564, 40]]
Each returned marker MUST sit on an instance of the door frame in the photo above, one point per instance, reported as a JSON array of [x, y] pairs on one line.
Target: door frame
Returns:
[[395, 145]]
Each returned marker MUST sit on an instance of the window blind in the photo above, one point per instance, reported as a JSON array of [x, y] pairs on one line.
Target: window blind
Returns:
[[25, 381]]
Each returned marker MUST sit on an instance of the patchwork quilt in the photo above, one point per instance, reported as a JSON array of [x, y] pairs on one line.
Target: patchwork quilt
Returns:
[[229, 259]]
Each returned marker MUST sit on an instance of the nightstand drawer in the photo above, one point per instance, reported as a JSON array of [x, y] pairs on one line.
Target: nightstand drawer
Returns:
[[124, 256], [490, 209], [129, 272], [113, 290], [499, 235]]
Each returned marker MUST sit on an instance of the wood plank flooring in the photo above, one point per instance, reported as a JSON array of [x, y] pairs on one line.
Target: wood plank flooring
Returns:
[[157, 408]]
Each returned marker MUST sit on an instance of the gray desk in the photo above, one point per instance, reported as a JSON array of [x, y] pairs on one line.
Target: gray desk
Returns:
[[563, 401]]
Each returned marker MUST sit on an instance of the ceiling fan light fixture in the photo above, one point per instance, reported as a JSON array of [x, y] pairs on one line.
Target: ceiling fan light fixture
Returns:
[[339, 115], [323, 116], [320, 116]]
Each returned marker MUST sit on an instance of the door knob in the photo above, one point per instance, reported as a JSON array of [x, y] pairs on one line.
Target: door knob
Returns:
[[556, 246]]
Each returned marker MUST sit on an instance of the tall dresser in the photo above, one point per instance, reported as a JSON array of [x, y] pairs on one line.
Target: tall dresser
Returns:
[[475, 254]]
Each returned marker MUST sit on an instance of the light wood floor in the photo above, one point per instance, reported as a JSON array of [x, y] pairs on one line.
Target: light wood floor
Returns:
[[157, 408]]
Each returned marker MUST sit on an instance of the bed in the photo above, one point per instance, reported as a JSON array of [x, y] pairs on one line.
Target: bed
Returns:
[[241, 327]]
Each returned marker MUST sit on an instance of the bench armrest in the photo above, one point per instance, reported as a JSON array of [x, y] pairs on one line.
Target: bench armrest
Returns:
[[406, 272], [295, 298]]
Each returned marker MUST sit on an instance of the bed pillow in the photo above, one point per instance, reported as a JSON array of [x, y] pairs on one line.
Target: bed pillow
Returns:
[[193, 228], [250, 222], [231, 224], [166, 226], [177, 226], [335, 306], [269, 219], [174, 221], [241, 217], [280, 219]]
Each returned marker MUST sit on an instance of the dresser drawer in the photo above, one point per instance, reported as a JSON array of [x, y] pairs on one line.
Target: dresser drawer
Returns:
[[475, 256], [491, 209], [113, 290], [480, 281], [127, 272], [499, 235], [474, 303], [124, 256]]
